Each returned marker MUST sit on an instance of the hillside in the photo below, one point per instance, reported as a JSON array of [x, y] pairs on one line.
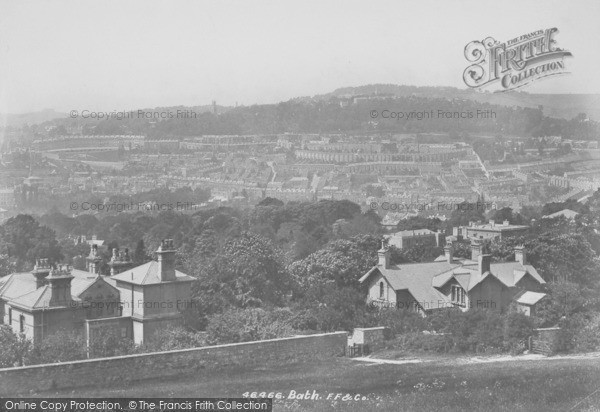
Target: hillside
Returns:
[[554, 105]]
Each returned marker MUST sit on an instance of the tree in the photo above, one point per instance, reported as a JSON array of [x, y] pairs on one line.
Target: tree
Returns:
[[139, 255], [23, 239], [341, 262], [247, 271]]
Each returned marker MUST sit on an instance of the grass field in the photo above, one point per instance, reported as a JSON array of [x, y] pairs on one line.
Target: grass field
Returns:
[[440, 385]]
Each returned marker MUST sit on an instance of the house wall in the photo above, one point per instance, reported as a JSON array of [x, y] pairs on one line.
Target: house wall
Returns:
[[100, 300], [130, 296], [406, 301], [42, 323], [165, 298], [374, 288], [122, 370], [446, 290], [489, 294], [528, 283]]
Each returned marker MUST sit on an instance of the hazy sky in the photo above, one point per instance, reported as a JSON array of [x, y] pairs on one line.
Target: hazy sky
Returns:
[[119, 55]]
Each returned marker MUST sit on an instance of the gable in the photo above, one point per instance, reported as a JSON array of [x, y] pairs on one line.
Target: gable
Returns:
[[489, 281], [99, 290]]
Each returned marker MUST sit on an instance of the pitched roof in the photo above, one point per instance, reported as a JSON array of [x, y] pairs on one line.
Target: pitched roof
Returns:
[[567, 213], [17, 284], [423, 279], [147, 274], [416, 278], [37, 299], [530, 298]]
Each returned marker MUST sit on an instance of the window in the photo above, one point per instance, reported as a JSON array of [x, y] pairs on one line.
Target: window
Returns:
[[458, 295], [21, 323], [381, 290], [10, 316]]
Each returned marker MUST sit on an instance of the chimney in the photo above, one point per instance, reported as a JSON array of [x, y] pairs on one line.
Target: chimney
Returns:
[[59, 281], [93, 260], [492, 223], [484, 263], [439, 238], [384, 256], [449, 253], [520, 255], [166, 260], [506, 223], [120, 261], [40, 271], [476, 248]]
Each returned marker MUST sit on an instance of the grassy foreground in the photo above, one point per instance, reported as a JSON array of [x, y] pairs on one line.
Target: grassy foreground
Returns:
[[444, 385]]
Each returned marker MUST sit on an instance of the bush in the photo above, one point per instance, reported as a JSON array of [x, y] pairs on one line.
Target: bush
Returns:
[[237, 325], [421, 342], [14, 347], [109, 343], [517, 328], [587, 338], [398, 321], [175, 338], [62, 346]]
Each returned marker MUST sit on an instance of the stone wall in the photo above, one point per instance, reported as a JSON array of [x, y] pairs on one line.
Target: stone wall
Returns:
[[173, 364], [373, 338]]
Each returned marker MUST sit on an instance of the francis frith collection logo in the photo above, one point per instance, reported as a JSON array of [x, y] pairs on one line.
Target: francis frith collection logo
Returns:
[[514, 63]]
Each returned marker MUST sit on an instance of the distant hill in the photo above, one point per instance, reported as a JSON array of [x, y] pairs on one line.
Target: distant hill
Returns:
[[18, 120], [554, 105]]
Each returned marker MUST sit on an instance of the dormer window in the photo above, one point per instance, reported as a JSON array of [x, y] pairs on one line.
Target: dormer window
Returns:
[[458, 295]]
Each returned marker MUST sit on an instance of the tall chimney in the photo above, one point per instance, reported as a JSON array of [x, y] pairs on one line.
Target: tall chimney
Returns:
[[93, 260], [476, 248], [383, 255], [449, 253], [166, 260], [60, 286], [120, 261], [40, 271], [484, 263], [492, 223], [520, 255]]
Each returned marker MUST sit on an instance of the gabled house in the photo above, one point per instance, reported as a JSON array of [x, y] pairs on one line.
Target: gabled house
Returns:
[[48, 299], [450, 282], [135, 301]]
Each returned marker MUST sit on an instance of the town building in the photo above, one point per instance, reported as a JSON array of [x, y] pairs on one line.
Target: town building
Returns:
[[491, 230], [419, 237], [449, 282]]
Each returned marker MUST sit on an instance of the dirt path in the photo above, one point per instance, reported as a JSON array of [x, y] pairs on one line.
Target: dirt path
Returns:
[[478, 359]]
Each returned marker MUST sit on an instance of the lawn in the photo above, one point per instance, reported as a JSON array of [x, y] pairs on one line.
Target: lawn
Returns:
[[444, 385]]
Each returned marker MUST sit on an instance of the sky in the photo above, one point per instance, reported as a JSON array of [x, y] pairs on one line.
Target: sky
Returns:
[[123, 55]]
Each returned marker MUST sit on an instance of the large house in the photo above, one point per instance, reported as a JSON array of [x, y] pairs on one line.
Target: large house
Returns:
[[134, 301], [491, 230], [449, 282], [419, 237]]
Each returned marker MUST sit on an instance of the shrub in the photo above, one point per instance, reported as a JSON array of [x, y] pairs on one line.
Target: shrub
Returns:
[[237, 325], [397, 320], [14, 347], [421, 342], [587, 338], [62, 346], [175, 338], [517, 328], [109, 343]]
